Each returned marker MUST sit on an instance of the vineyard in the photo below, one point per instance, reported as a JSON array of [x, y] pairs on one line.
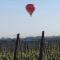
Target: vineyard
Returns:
[[38, 49]]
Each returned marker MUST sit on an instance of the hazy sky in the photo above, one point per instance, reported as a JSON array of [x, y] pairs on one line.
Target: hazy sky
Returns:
[[14, 18]]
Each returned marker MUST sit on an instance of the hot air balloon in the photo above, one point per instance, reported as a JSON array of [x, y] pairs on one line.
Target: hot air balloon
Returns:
[[30, 8]]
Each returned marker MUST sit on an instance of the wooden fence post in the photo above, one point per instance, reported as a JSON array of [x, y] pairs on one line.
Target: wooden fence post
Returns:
[[16, 45], [41, 47]]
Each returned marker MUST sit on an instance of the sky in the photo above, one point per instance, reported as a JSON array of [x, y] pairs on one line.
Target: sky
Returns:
[[15, 19]]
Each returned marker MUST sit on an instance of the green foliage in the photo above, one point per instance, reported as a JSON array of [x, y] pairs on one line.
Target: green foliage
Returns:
[[33, 54]]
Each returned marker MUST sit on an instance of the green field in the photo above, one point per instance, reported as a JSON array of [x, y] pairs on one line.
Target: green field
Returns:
[[33, 54]]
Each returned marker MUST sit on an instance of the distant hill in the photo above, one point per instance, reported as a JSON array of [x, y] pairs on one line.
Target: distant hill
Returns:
[[9, 43]]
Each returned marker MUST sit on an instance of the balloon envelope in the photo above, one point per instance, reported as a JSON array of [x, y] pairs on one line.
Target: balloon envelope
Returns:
[[30, 8]]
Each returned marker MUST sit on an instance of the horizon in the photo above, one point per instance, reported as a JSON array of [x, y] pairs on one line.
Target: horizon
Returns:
[[22, 36]]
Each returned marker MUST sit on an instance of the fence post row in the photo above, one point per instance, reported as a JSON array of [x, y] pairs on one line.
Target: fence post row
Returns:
[[41, 47], [40, 51]]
